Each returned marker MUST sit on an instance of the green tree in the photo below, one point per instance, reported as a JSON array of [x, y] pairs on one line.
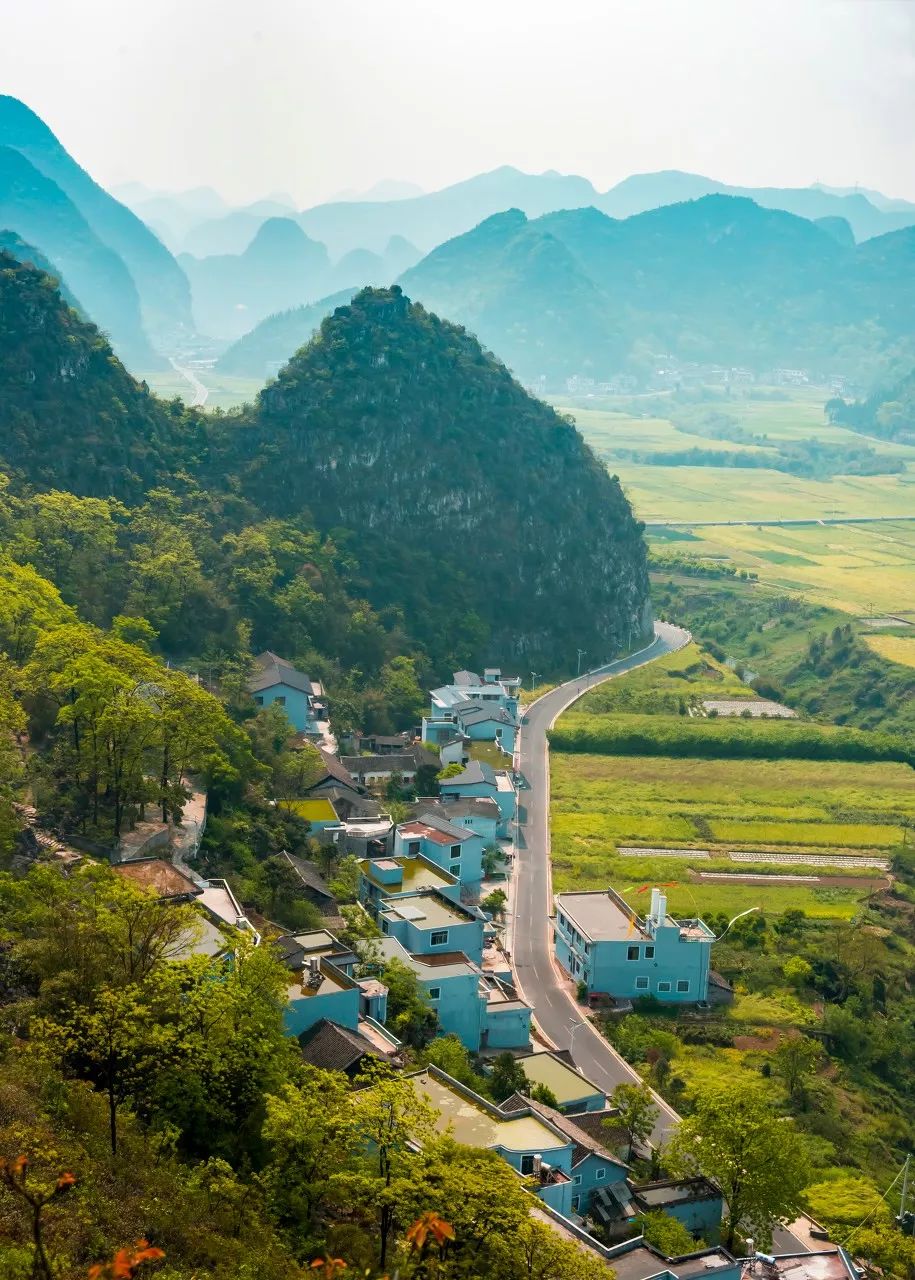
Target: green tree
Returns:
[[757, 1159], [638, 1112], [667, 1234], [389, 1115], [495, 902], [507, 1077], [410, 1015], [794, 1061], [449, 1055], [798, 971], [543, 1093]]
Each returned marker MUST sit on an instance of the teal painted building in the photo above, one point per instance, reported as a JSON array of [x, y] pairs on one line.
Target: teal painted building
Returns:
[[539, 1143], [599, 940], [456, 849], [480, 781], [427, 923], [277, 682]]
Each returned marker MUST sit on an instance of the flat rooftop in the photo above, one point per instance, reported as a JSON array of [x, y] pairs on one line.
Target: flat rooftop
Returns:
[[475, 1126], [448, 964], [601, 917], [566, 1084], [825, 1265], [332, 979], [425, 910], [641, 1263], [417, 874], [422, 830]]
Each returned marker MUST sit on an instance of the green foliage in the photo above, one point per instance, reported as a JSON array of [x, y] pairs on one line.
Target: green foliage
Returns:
[[410, 1015], [667, 1234], [755, 1157], [507, 1077], [641, 735], [637, 1110]]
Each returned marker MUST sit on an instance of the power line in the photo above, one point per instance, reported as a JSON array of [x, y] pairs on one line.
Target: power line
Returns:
[[868, 1216]]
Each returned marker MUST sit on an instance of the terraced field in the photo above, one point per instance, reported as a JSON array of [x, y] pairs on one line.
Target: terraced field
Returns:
[[628, 820]]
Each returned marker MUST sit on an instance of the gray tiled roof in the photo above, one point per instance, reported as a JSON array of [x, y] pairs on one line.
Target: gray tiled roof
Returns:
[[273, 670], [334, 1048], [476, 771]]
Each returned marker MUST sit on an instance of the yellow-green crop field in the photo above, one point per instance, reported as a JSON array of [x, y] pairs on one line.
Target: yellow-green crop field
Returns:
[[775, 806], [853, 567], [899, 649]]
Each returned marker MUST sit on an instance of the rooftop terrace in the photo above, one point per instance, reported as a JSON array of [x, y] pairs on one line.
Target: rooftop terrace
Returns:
[[426, 910], [477, 1126], [564, 1082]]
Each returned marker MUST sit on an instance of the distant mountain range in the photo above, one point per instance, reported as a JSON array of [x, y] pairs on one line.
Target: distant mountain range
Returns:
[[718, 279], [427, 220], [281, 268], [124, 276]]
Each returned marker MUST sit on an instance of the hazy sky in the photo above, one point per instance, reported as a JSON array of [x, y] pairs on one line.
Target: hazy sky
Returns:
[[312, 96]]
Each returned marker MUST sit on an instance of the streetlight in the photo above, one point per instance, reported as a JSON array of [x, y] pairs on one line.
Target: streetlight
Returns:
[[574, 1027], [581, 654], [534, 676]]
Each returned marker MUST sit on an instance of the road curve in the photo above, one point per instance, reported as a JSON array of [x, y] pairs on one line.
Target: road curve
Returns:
[[555, 1011]]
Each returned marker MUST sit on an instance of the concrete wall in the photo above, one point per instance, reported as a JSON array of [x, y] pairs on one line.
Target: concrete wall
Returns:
[[303, 1012], [293, 701], [659, 967]]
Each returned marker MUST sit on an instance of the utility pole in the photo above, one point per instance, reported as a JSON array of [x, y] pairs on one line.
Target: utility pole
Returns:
[[534, 675], [581, 654]]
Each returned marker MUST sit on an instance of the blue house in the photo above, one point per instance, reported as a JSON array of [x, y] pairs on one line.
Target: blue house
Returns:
[[322, 987], [399, 877], [276, 681], [457, 849], [573, 1091], [480, 1010], [485, 710], [538, 1142], [599, 940], [479, 814], [480, 780], [427, 923]]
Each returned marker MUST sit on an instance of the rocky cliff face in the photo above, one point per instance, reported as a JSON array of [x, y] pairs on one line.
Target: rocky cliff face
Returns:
[[398, 427]]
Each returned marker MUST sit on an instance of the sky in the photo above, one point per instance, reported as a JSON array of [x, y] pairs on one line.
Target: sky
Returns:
[[315, 96]]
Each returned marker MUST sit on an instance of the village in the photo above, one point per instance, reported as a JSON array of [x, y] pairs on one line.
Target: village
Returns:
[[435, 899]]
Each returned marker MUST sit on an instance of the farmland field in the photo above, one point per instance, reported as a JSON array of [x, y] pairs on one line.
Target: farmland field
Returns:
[[770, 808], [899, 649], [225, 390], [856, 568]]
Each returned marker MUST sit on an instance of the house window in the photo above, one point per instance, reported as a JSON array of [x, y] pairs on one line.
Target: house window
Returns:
[[438, 937], [632, 953], [682, 984], [413, 847], [435, 993], [280, 701], [576, 1201], [527, 1164], [641, 984], [455, 851], [259, 699], [663, 986], [455, 869], [600, 1175], [385, 928], [649, 953], [577, 1180]]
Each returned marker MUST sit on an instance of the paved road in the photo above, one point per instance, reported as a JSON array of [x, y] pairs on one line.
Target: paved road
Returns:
[[200, 391], [555, 1012]]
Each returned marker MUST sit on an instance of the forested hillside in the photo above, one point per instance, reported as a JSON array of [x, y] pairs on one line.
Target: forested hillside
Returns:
[[475, 507], [361, 510]]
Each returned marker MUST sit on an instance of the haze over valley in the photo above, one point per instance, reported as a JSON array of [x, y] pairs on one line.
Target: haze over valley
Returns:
[[457, 640]]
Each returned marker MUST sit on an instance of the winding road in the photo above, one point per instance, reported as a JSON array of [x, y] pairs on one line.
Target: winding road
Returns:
[[556, 1014]]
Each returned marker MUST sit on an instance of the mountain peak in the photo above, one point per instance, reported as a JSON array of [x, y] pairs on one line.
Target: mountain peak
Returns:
[[21, 127]]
